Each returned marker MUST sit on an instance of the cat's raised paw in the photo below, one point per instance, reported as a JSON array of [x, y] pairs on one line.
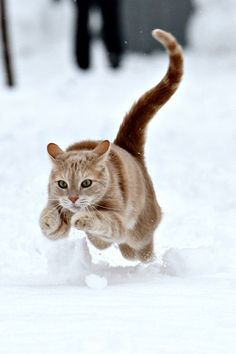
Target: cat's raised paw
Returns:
[[49, 221], [82, 221]]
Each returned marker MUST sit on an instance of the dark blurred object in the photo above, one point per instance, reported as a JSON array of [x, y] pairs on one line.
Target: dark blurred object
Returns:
[[7, 62], [140, 17], [137, 18], [110, 31]]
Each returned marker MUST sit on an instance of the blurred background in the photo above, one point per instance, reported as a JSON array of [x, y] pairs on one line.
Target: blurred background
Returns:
[[69, 28]]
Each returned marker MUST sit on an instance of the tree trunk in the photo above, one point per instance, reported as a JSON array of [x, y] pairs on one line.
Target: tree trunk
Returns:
[[5, 45]]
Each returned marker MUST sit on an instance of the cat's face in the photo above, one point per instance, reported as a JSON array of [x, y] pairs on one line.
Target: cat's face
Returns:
[[79, 179]]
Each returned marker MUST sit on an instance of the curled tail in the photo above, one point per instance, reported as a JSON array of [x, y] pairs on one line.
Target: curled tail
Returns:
[[131, 135]]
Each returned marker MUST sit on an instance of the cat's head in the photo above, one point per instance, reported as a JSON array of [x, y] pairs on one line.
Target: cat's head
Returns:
[[78, 178]]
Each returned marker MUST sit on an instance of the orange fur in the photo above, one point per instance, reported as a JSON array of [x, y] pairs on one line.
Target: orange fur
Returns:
[[120, 204]]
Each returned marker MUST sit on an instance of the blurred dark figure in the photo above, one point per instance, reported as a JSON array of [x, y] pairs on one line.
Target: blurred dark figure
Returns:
[[111, 32]]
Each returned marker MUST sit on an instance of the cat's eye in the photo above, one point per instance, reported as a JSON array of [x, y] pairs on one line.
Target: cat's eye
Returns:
[[62, 184], [86, 183]]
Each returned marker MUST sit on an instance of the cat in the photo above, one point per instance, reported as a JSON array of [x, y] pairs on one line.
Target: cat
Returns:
[[104, 188]]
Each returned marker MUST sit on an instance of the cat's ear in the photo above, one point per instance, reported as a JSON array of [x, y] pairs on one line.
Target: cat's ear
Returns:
[[54, 150], [102, 150]]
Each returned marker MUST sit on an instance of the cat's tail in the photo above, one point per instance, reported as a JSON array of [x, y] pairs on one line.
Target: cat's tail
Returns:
[[131, 135]]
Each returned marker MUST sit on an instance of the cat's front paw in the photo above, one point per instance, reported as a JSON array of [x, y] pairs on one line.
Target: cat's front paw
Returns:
[[82, 221], [53, 224], [49, 221]]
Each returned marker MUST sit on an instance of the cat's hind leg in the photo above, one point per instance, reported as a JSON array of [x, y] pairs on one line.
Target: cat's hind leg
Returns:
[[127, 252], [146, 253]]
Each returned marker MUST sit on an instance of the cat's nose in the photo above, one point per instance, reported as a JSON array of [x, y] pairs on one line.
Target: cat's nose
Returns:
[[73, 198]]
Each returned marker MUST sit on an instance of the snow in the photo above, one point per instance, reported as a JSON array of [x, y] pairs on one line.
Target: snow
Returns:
[[93, 281], [171, 315], [66, 296]]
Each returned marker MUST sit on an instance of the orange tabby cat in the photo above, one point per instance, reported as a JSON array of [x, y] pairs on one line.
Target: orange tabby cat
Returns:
[[104, 188]]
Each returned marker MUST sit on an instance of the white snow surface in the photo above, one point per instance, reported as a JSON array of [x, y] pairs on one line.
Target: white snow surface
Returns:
[[65, 296]]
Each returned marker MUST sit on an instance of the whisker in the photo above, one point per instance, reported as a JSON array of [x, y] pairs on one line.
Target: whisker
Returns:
[[54, 207], [101, 213], [52, 210], [54, 201], [90, 213], [107, 208]]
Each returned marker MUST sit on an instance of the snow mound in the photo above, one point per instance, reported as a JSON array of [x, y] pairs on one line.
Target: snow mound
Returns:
[[191, 261]]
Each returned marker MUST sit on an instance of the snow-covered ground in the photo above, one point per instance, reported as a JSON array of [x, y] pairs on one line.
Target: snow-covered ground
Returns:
[[55, 298]]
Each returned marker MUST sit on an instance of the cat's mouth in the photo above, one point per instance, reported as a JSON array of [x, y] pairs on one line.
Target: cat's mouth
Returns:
[[75, 208]]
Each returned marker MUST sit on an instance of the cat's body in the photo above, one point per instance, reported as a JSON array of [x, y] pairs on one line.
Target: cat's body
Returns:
[[105, 189]]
